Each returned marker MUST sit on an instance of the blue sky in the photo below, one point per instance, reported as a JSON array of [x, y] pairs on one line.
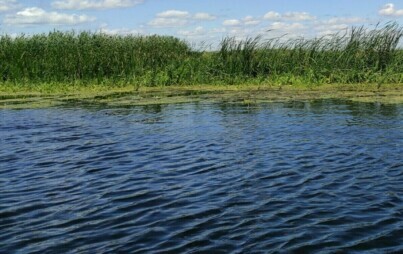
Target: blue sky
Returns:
[[196, 20]]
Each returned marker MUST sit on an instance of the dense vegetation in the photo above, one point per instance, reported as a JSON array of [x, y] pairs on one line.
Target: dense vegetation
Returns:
[[359, 56]]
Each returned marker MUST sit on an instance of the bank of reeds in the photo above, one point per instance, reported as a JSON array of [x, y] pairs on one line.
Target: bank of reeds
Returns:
[[357, 56]]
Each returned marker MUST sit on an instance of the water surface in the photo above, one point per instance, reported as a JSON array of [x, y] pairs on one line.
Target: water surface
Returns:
[[320, 176]]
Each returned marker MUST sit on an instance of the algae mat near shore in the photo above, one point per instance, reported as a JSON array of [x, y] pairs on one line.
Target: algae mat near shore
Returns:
[[246, 94]]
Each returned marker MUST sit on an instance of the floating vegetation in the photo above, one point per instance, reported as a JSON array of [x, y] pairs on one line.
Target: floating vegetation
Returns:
[[247, 95]]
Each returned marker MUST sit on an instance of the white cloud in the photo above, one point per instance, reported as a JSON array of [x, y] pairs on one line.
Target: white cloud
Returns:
[[168, 22], [241, 33], [324, 30], [231, 22], [250, 21], [336, 25], [173, 14], [202, 38], [390, 10], [170, 18], [94, 4], [204, 16], [294, 16], [35, 16], [297, 16], [198, 31], [271, 15], [174, 18], [284, 31], [218, 30], [286, 27], [119, 31], [345, 20], [8, 5]]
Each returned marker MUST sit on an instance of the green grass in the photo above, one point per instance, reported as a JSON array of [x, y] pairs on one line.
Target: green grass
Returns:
[[85, 59]]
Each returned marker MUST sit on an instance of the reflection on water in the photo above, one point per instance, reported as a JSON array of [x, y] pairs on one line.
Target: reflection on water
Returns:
[[297, 177]]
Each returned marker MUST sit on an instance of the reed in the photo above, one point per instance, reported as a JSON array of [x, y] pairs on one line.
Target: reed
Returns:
[[357, 56]]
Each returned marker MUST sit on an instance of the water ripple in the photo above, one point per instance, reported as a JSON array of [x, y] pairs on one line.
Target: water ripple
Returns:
[[321, 176]]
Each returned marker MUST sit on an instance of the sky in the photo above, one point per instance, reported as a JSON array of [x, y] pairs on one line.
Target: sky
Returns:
[[197, 20]]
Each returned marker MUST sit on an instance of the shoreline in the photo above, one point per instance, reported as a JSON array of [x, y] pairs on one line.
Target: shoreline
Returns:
[[49, 95]]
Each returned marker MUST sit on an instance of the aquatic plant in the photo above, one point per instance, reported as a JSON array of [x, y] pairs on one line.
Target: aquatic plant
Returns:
[[358, 56]]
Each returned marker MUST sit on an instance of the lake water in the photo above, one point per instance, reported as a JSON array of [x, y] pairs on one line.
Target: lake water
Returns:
[[320, 176]]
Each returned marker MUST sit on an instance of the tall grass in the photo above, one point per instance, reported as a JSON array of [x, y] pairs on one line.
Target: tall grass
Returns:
[[360, 55], [357, 56]]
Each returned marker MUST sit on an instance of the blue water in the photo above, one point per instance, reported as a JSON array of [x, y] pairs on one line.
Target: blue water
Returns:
[[322, 176]]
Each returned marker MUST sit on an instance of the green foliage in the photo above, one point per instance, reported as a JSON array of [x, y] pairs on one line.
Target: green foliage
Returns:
[[359, 56], [86, 56]]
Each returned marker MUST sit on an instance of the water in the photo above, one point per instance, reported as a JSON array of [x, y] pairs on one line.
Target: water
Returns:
[[321, 176]]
